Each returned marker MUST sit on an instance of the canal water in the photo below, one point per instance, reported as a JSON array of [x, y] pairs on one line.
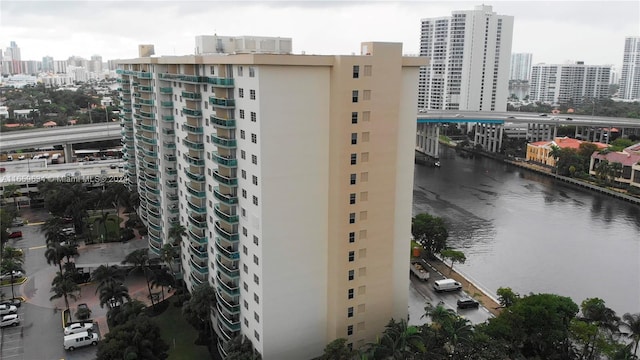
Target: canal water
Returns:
[[522, 230]]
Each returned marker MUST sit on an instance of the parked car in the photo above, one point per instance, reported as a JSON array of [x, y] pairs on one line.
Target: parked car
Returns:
[[10, 320], [7, 276], [15, 234], [17, 222], [8, 309], [2, 169], [78, 328], [467, 303], [15, 302], [21, 157], [74, 341]]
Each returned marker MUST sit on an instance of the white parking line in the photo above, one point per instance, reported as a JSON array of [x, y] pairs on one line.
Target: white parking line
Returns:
[[14, 355], [11, 348]]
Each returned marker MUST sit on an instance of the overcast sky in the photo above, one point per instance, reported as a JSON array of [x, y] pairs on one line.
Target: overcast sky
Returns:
[[554, 31]]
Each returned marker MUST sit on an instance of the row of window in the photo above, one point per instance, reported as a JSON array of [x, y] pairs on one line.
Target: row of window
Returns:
[[356, 71], [253, 115], [366, 95], [252, 93]]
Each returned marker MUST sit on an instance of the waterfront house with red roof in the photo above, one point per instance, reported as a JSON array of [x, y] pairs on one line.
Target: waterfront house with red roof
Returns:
[[630, 160], [538, 152]]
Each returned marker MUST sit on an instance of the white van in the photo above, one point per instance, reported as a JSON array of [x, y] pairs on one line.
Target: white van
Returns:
[[446, 285], [74, 341]]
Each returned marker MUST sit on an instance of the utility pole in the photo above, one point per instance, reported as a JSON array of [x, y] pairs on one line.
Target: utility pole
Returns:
[[89, 108]]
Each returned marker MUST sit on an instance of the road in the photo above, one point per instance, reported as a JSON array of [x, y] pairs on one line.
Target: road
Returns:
[[421, 293]]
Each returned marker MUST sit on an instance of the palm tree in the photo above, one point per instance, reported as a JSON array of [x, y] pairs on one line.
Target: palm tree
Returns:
[[104, 217], [616, 170], [161, 277], [632, 323], [12, 261], [595, 312], [555, 153], [399, 341], [54, 254], [112, 294], [176, 233], [197, 311], [105, 275], [140, 261], [120, 315], [168, 253], [52, 229], [602, 170], [63, 286], [12, 191]]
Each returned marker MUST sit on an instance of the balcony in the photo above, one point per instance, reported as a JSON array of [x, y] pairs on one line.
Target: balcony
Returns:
[[195, 176], [225, 180], [147, 115], [224, 160], [197, 278], [144, 102], [166, 90], [222, 102], [199, 267], [224, 198], [199, 239], [166, 104], [228, 252], [149, 128], [198, 221], [229, 236], [230, 219], [166, 131], [149, 152], [222, 123], [171, 184], [192, 112], [169, 145], [195, 192], [193, 78], [193, 145], [231, 306], [171, 171], [222, 142], [197, 130], [191, 95], [199, 209], [200, 252], [228, 288], [221, 82], [145, 89], [232, 323], [168, 118], [193, 160]]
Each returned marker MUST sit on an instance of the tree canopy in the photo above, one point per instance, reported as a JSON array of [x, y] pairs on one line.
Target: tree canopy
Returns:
[[430, 232]]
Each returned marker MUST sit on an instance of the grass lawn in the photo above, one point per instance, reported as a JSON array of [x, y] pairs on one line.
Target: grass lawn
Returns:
[[179, 335], [113, 222]]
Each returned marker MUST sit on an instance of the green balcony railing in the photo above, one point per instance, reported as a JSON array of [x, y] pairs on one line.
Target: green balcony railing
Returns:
[[231, 181], [227, 143], [166, 104], [191, 95], [192, 112], [220, 82], [231, 219], [193, 129], [230, 236], [222, 123], [224, 160], [167, 118], [193, 176], [222, 102], [193, 145], [193, 161], [201, 194], [145, 88], [226, 199], [166, 90]]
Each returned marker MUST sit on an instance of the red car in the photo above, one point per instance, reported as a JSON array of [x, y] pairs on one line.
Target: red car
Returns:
[[15, 234]]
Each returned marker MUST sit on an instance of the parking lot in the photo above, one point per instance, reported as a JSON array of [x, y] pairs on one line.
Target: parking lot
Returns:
[[12, 342]]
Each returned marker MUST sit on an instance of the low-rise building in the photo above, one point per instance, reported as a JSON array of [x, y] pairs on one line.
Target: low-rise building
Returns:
[[629, 158], [539, 151]]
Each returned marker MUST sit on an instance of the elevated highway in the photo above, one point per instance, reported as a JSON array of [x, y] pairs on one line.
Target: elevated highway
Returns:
[[457, 116], [23, 139]]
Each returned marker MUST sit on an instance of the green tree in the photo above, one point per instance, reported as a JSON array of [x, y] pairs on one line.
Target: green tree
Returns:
[[54, 255], [104, 275], [176, 233], [140, 261], [197, 311], [555, 154], [536, 326], [631, 322], [113, 294], [507, 297], [162, 277], [168, 254], [139, 338], [398, 342], [64, 287], [12, 261], [338, 350], [12, 191], [125, 313], [241, 348], [595, 312], [454, 256], [430, 232]]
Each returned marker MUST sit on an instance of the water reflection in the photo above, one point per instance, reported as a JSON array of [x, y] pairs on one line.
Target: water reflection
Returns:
[[523, 230]]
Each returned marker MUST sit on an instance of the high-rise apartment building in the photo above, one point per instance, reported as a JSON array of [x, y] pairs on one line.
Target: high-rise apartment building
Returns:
[[469, 56], [11, 61], [569, 83], [520, 66], [291, 174], [630, 78], [95, 65], [47, 64]]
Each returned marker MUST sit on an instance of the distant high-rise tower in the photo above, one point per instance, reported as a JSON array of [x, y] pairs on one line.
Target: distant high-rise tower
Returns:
[[470, 56], [47, 64], [569, 83], [96, 64], [520, 66], [12, 55], [630, 79]]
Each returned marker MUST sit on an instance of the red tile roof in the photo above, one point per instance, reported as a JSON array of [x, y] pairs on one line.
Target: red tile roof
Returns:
[[625, 158]]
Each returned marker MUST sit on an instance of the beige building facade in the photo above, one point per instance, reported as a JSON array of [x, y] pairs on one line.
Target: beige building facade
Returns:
[[292, 175]]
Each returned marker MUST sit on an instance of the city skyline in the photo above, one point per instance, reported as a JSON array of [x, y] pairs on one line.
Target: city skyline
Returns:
[[535, 27]]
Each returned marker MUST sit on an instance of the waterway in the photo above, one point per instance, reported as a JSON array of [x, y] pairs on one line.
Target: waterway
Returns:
[[522, 230]]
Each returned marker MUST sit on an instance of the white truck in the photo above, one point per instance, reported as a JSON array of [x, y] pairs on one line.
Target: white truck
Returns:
[[419, 269]]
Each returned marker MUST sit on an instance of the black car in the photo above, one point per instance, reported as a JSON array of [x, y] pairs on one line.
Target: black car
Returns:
[[468, 303]]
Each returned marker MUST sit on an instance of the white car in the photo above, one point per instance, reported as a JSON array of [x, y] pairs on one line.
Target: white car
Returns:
[[7, 276], [8, 309], [78, 328], [10, 320]]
